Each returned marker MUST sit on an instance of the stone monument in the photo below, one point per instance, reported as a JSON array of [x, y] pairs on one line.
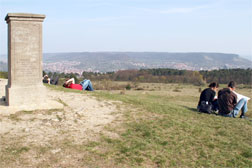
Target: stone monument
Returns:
[[25, 85]]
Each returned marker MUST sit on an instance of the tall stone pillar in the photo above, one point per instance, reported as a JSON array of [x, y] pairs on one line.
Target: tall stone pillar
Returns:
[[25, 60]]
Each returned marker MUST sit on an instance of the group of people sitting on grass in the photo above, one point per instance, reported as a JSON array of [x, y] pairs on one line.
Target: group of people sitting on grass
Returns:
[[70, 83], [228, 103]]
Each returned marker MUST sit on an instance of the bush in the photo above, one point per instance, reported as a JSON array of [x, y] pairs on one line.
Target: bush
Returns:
[[128, 87], [139, 88]]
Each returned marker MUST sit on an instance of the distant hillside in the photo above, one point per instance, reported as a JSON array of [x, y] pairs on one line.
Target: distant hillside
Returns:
[[113, 61]]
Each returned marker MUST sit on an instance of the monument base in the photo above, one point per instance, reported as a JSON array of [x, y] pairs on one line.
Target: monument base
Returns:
[[23, 96], [29, 98]]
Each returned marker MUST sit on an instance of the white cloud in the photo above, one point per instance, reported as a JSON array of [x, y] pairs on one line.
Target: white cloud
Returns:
[[103, 19], [181, 10], [172, 10]]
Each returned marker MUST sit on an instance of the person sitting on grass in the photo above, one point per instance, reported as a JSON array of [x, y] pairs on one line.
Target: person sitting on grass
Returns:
[[53, 81], [228, 105], [208, 100], [84, 85], [46, 79]]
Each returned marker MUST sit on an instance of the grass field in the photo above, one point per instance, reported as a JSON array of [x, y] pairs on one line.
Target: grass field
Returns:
[[161, 128]]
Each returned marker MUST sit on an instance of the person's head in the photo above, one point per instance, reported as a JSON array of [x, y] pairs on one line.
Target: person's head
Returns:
[[65, 84], [214, 86], [46, 77], [231, 85]]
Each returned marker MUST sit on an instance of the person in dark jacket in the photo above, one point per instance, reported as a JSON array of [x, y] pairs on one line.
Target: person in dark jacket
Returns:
[[46, 79], [53, 81], [208, 99], [227, 101]]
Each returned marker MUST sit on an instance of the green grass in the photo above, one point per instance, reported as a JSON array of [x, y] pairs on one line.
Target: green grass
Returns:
[[10, 153], [4, 75], [166, 131], [160, 127], [62, 102], [18, 115]]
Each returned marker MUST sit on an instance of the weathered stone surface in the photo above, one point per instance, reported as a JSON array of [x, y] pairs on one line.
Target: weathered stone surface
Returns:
[[49, 102], [25, 87], [24, 59]]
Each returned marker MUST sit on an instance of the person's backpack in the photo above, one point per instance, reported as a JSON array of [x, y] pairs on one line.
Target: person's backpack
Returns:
[[205, 107]]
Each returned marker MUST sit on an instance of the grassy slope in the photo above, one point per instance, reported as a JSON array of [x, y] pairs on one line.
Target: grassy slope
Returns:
[[160, 128], [167, 131]]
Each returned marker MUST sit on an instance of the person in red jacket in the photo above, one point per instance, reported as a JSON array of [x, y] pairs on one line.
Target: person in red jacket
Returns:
[[84, 85]]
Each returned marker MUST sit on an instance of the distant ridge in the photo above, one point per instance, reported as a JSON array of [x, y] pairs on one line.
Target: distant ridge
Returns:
[[78, 62], [114, 61]]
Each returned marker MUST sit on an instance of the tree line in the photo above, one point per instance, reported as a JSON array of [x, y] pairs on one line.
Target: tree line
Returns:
[[164, 75], [223, 76]]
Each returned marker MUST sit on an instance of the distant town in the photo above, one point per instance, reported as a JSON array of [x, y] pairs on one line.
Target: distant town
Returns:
[[113, 61], [102, 62]]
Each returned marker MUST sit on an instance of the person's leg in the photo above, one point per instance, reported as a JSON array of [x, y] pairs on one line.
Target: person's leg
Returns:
[[82, 82], [87, 84], [241, 105], [90, 87], [244, 109]]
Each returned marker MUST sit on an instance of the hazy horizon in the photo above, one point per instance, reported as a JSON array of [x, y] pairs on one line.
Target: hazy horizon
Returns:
[[249, 57]]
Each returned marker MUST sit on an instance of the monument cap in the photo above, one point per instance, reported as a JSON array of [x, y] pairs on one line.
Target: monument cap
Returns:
[[25, 16]]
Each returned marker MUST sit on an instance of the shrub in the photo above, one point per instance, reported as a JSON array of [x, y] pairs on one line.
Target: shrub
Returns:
[[139, 88], [128, 87]]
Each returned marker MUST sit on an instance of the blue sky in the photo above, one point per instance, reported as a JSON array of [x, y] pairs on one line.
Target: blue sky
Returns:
[[139, 25]]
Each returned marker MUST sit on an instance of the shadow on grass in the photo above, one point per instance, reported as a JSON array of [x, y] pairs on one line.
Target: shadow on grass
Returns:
[[190, 108], [195, 110]]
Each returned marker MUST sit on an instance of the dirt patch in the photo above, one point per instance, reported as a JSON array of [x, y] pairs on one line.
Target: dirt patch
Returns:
[[41, 135], [81, 117]]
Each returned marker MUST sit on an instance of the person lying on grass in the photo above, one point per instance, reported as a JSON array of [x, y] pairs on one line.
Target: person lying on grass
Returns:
[[84, 85], [208, 100]]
